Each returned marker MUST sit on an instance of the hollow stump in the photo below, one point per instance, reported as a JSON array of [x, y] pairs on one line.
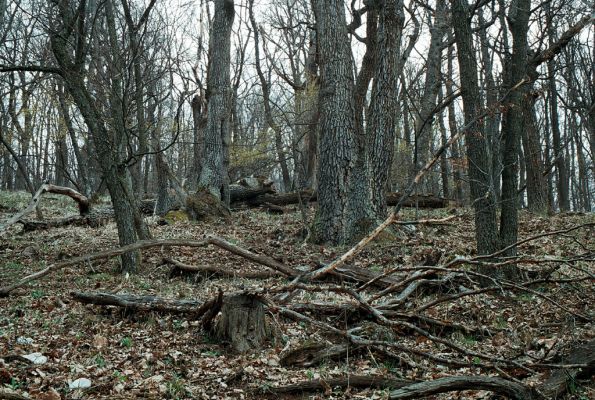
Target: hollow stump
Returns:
[[242, 323]]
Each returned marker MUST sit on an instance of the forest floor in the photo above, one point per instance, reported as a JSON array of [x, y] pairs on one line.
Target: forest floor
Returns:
[[154, 356]]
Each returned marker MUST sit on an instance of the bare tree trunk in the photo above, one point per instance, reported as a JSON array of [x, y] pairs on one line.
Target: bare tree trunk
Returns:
[[452, 126], [199, 120], [425, 117], [380, 129], [214, 175], [482, 195], [266, 94], [108, 144], [335, 221], [562, 174], [536, 185]]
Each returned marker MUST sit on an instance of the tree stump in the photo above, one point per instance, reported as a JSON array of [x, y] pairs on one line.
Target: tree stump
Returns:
[[202, 205], [242, 323]]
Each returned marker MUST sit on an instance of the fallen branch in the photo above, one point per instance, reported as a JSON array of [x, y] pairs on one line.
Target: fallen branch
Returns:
[[355, 381], [313, 354], [179, 267], [143, 244], [83, 202], [12, 396], [456, 383]]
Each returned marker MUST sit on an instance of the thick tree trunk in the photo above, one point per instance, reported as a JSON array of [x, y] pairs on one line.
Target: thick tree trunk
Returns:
[[214, 175], [518, 21], [482, 195], [199, 120], [380, 129], [334, 222]]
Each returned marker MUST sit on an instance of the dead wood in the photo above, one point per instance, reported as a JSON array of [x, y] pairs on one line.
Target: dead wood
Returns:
[[11, 396], [244, 192], [457, 383], [132, 302], [392, 198], [242, 322], [143, 244], [257, 258], [75, 220], [180, 268], [355, 381], [561, 380], [312, 354], [82, 201]]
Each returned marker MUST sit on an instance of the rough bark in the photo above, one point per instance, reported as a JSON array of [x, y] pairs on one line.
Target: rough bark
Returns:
[[518, 21], [214, 174], [380, 128], [242, 323], [457, 383], [334, 222], [536, 186], [109, 143], [482, 195]]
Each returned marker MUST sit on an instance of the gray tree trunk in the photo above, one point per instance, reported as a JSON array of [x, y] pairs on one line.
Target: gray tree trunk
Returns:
[[425, 117], [383, 110], [214, 175], [560, 159], [109, 144], [482, 195], [518, 21], [336, 221]]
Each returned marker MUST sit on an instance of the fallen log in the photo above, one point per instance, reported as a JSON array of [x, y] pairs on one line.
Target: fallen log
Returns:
[[355, 381], [181, 268], [392, 198], [501, 386], [313, 354], [561, 380], [244, 192], [132, 302]]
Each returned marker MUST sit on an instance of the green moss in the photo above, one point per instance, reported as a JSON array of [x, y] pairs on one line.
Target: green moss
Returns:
[[176, 216]]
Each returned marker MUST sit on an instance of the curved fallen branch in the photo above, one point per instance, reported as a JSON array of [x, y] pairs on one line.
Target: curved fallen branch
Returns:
[[83, 202]]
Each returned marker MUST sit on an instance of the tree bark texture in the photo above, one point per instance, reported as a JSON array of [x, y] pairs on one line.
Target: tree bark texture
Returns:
[[334, 222], [482, 194], [108, 143], [518, 21], [383, 111], [214, 175]]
